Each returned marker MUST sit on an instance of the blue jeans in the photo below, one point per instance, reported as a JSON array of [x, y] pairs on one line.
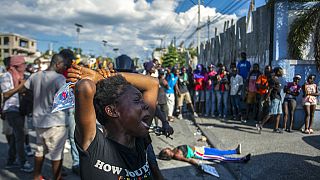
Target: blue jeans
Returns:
[[222, 96], [74, 151], [210, 102], [235, 101]]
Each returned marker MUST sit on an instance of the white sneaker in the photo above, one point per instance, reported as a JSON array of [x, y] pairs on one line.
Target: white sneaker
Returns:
[[180, 116], [195, 114]]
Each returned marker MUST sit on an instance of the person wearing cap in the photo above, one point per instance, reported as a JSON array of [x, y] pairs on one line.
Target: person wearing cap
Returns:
[[149, 68], [292, 90], [310, 93], [12, 83]]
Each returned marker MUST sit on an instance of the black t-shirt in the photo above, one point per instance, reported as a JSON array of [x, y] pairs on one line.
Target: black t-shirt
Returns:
[[274, 84], [182, 83], [162, 98], [107, 159]]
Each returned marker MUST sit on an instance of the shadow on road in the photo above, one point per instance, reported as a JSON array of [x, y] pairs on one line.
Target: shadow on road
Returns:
[[279, 166], [313, 141]]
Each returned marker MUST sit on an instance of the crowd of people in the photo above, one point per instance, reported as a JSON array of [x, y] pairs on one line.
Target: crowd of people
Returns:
[[124, 105], [241, 93]]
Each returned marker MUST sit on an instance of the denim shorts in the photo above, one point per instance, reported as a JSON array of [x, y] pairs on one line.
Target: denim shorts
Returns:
[[275, 107]]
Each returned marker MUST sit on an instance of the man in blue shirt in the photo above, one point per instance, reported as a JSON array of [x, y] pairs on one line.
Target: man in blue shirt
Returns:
[[172, 79], [244, 66]]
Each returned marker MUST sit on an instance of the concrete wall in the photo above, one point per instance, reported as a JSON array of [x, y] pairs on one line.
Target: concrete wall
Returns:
[[282, 59]]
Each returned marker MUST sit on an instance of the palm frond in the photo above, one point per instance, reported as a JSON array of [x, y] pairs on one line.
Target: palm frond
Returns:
[[300, 31]]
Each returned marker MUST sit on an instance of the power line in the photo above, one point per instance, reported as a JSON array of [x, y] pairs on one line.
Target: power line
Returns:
[[231, 6], [192, 2], [214, 18], [208, 3]]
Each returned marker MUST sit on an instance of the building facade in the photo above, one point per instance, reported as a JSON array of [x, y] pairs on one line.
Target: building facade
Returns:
[[14, 44]]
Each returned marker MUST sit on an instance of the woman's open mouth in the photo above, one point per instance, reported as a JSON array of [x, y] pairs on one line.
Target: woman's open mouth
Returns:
[[145, 125], [144, 121]]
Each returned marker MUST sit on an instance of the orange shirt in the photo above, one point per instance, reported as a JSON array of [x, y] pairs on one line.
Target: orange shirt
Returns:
[[262, 80]]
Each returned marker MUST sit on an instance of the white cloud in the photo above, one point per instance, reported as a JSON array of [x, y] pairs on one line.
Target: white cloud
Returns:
[[127, 24]]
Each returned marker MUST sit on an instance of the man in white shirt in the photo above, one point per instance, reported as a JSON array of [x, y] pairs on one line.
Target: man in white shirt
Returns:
[[236, 84], [12, 83]]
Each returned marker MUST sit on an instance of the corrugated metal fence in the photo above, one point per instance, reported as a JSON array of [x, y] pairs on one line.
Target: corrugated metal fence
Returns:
[[227, 46]]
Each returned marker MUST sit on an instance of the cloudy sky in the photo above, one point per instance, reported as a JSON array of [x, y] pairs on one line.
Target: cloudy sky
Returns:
[[133, 26]]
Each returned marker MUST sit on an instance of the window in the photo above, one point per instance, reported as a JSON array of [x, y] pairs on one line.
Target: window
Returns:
[[6, 50], [32, 44], [6, 41], [0, 40], [23, 43]]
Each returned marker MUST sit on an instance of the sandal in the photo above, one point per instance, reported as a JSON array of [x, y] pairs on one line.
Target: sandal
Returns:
[[307, 131], [310, 131]]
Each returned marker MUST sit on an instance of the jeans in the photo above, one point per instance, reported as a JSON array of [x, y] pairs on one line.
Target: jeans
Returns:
[[16, 144], [222, 96], [74, 151], [235, 102], [210, 102], [218, 152]]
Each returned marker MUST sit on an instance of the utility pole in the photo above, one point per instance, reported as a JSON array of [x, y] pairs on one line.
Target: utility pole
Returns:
[[174, 41], [249, 18], [208, 28], [78, 31], [198, 28]]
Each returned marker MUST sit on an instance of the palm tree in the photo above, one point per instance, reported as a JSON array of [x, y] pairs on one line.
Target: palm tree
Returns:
[[306, 24]]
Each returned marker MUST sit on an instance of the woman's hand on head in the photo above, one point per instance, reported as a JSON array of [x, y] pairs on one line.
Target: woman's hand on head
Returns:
[[106, 73], [76, 73]]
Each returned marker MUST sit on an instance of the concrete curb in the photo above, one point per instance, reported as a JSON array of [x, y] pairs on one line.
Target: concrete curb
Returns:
[[214, 141]]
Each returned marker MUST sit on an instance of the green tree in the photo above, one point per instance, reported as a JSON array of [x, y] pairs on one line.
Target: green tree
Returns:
[[182, 59], [170, 58]]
